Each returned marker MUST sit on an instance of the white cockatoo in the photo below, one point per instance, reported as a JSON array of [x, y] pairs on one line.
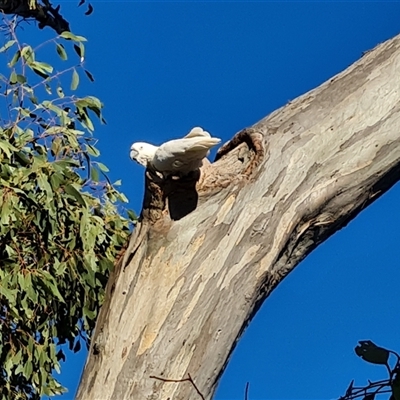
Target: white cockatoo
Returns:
[[179, 156]]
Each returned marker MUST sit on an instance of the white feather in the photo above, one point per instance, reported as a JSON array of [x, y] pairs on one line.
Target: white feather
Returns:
[[176, 156], [197, 132]]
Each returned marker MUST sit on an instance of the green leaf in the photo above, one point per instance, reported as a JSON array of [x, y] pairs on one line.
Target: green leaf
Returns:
[[13, 78], [21, 282], [21, 78], [28, 369], [66, 163], [45, 186], [80, 50], [19, 369], [72, 191], [25, 112], [40, 68], [372, 353], [56, 181], [70, 36], [8, 294], [17, 357], [60, 233], [132, 215], [48, 104], [94, 175], [23, 159], [48, 88], [7, 147], [102, 167], [9, 364], [88, 313], [61, 51], [85, 119], [60, 92], [89, 101], [57, 368], [92, 150], [28, 54], [34, 100], [31, 292], [40, 73], [48, 281], [15, 59], [75, 80], [54, 130], [9, 44], [123, 198]]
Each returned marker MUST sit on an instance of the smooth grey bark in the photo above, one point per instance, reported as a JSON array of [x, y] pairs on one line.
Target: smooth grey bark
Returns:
[[186, 289]]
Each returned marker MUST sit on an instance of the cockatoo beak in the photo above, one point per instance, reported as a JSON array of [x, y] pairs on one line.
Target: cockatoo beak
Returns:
[[134, 153]]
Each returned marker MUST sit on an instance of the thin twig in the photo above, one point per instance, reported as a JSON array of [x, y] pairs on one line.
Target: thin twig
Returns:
[[188, 379], [246, 391], [362, 391]]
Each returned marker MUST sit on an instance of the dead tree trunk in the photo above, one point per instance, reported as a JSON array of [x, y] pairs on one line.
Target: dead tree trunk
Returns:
[[197, 269]]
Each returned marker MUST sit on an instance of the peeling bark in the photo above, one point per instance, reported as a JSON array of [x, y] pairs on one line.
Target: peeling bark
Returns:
[[187, 287]]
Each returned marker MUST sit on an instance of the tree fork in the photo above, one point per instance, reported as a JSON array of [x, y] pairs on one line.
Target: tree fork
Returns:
[[187, 287]]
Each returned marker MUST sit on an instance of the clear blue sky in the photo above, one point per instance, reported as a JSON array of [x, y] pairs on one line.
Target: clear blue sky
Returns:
[[162, 68]]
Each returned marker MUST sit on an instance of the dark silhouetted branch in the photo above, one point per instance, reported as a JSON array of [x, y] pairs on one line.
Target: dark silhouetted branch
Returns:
[[41, 11]]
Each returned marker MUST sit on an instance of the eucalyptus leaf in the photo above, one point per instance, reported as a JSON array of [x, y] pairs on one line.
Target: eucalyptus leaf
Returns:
[[9, 44], [372, 353], [75, 80], [60, 92], [15, 59], [60, 233], [71, 36], [61, 51]]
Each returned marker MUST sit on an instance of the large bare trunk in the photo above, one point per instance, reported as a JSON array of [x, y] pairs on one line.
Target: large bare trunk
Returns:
[[188, 286]]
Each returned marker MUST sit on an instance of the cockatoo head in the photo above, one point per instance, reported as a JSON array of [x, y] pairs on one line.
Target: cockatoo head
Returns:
[[142, 152]]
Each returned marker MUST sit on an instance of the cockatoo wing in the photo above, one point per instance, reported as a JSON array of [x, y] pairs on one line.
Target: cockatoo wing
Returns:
[[183, 155], [197, 132], [202, 144]]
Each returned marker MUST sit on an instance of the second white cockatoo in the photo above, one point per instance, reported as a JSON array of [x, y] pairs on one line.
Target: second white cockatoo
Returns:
[[175, 157]]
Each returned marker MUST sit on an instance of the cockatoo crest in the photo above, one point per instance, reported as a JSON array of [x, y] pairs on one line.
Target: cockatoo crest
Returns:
[[179, 156]]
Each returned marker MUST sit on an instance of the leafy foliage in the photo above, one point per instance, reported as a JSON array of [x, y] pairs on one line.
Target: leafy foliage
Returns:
[[60, 229], [374, 354]]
